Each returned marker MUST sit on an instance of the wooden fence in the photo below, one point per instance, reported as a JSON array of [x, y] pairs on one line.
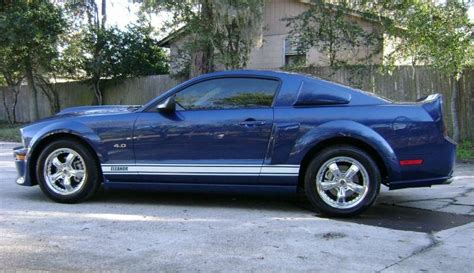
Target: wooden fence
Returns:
[[131, 92]]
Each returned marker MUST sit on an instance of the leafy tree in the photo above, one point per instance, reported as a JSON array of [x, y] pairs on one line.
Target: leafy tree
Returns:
[[435, 35], [30, 34], [404, 21], [90, 21], [135, 53], [448, 40], [95, 52], [124, 54], [326, 27], [216, 31]]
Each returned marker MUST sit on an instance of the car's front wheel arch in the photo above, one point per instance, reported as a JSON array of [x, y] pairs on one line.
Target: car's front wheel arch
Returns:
[[44, 142]]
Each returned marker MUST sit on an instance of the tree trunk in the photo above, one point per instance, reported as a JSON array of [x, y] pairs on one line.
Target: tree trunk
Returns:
[[15, 102], [14, 84], [31, 83], [454, 107], [57, 105], [98, 93], [202, 61], [5, 105], [104, 13], [50, 92], [416, 81]]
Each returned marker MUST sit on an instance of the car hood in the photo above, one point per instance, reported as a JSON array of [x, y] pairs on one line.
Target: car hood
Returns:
[[98, 110]]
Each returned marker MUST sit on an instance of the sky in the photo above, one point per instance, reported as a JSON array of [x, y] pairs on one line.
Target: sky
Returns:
[[123, 12]]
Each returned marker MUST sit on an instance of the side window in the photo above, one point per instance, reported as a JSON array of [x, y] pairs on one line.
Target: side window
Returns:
[[228, 93]]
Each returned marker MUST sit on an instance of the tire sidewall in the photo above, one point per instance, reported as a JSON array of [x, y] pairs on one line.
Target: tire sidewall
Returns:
[[91, 183], [348, 151]]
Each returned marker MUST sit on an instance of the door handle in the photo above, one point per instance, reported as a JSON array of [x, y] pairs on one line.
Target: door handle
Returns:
[[252, 122]]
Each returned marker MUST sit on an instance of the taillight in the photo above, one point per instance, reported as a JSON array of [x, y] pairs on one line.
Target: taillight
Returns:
[[411, 162]]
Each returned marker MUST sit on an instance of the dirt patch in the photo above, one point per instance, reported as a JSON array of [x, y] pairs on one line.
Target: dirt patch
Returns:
[[332, 235]]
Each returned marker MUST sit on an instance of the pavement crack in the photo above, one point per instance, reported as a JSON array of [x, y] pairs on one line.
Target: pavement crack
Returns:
[[432, 244], [450, 201], [466, 193]]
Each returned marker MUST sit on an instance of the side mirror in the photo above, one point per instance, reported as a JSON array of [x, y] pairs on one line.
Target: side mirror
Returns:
[[167, 106]]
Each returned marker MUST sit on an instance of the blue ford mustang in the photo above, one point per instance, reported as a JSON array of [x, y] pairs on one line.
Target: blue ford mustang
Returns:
[[244, 131]]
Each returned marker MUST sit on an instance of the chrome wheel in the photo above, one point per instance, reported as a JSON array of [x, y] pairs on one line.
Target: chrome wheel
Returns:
[[65, 171], [342, 182]]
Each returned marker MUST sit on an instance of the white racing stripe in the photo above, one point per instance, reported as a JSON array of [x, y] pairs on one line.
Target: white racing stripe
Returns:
[[198, 169], [276, 169]]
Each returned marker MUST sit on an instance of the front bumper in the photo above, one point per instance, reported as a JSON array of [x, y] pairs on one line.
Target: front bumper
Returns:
[[20, 155]]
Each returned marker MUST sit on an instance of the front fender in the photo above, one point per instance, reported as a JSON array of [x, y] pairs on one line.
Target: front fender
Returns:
[[347, 129], [65, 127]]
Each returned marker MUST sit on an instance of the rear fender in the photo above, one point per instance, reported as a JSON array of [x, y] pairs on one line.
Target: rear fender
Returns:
[[348, 129]]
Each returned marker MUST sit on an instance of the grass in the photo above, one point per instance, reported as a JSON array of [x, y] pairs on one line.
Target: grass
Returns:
[[10, 132], [466, 151]]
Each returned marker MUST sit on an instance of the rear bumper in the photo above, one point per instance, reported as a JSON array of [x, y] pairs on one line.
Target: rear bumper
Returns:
[[421, 183], [23, 178], [437, 168]]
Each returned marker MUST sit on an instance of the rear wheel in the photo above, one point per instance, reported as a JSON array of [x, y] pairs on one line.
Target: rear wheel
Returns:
[[67, 171], [342, 181]]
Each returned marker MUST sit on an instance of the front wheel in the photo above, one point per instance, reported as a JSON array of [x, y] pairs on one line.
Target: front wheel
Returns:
[[342, 181], [67, 171]]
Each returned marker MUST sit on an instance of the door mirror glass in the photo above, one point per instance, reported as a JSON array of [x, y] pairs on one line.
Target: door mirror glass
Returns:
[[167, 106]]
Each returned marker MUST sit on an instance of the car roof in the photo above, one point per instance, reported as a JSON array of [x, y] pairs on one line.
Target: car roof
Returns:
[[251, 72]]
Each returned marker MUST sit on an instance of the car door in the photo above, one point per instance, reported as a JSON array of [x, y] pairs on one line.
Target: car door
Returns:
[[219, 133]]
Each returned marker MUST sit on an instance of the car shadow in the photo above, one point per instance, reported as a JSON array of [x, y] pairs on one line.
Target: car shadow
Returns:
[[379, 215], [219, 200]]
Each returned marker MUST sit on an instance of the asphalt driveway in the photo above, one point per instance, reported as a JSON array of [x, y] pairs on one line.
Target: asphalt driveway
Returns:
[[429, 229]]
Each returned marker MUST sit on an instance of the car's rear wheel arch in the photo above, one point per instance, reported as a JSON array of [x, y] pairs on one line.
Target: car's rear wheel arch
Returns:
[[338, 141], [55, 137]]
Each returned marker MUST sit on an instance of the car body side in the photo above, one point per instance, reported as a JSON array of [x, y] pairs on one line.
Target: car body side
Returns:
[[389, 132]]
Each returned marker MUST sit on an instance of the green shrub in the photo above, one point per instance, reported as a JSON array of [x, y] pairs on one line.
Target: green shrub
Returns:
[[10, 132], [465, 150]]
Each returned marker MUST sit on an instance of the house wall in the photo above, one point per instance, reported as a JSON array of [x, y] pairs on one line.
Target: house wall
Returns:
[[178, 60], [390, 46], [271, 53]]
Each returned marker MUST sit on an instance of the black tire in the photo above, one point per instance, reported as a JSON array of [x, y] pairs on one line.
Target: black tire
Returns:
[[91, 181], [325, 157]]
